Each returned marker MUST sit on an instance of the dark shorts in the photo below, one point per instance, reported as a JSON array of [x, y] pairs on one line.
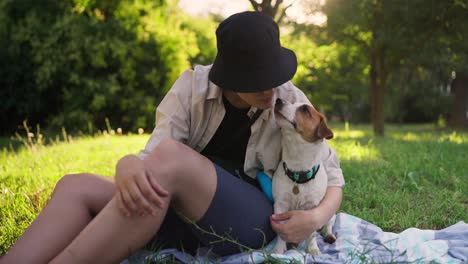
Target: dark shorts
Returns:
[[238, 211]]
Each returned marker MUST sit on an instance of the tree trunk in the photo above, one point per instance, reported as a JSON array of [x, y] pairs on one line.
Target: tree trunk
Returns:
[[267, 7], [459, 116], [378, 72], [378, 76]]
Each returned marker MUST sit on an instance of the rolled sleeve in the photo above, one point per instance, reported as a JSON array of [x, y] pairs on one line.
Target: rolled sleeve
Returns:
[[172, 115], [332, 167]]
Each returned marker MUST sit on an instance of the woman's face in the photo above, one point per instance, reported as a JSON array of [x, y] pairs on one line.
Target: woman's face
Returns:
[[263, 100]]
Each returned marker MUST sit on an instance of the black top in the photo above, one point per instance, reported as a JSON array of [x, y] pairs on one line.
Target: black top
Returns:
[[229, 143]]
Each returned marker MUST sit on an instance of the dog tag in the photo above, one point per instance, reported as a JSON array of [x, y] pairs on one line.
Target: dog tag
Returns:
[[295, 189]]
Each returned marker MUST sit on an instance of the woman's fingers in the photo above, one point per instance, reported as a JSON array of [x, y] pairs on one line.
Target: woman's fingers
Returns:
[[277, 227], [121, 204], [148, 192], [283, 216], [139, 201], [159, 192], [128, 200], [281, 228], [292, 230], [157, 187]]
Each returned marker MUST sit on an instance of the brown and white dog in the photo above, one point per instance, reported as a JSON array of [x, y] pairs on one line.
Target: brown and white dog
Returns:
[[300, 181]]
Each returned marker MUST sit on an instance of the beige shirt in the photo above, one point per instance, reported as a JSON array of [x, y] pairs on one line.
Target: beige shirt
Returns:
[[193, 109]]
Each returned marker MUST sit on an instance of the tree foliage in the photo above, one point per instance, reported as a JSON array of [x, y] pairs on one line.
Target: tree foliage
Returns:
[[379, 60], [401, 39], [332, 75], [275, 10], [74, 63]]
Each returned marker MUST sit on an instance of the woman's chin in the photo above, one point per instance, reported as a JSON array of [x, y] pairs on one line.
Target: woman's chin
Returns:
[[266, 104]]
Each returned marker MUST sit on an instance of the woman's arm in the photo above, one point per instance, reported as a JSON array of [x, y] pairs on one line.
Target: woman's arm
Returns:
[[330, 204], [301, 223]]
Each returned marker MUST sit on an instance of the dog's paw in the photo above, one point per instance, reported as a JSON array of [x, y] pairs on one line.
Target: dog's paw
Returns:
[[290, 245], [279, 248], [330, 238], [313, 251]]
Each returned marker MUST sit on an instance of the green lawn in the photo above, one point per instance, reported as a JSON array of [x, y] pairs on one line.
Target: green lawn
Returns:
[[414, 177]]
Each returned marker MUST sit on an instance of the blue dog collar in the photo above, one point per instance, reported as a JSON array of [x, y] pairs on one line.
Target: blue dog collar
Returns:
[[301, 176]]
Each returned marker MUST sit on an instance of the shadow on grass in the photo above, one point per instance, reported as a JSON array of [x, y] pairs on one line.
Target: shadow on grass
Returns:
[[10, 144]]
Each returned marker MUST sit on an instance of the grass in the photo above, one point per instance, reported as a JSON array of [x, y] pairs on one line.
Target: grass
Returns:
[[416, 176], [28, 176]]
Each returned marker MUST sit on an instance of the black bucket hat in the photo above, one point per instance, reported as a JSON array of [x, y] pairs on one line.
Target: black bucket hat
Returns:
[[250, 57]]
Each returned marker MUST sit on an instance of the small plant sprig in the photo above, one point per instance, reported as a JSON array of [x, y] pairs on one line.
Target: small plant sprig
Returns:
[[221, 238], [268, 258], [31, 141]]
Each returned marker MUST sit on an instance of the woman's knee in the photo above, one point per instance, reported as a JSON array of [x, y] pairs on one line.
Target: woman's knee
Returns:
[[175, 164], [68, 184], [170, 152], [168, 158], [93, 190]]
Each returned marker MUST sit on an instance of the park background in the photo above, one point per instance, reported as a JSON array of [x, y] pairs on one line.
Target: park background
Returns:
[[80, 80]]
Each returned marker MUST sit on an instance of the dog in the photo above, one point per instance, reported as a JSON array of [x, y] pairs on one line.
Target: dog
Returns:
[[300, 181]]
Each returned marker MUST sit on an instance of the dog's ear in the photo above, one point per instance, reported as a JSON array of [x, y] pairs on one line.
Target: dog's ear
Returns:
[[323, 131]]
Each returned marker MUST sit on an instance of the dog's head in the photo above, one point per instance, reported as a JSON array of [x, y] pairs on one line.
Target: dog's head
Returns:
[[304, 119]]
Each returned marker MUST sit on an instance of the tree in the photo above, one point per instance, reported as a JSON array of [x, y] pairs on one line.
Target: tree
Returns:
[[393, 34], [411, 48], [455, 42], [275, 10], [332, 75], [459, 116], [74, 63]]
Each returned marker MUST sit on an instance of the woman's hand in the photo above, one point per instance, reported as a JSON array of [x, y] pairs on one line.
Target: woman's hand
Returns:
[[301, 223], [136, 192], [298, 224]]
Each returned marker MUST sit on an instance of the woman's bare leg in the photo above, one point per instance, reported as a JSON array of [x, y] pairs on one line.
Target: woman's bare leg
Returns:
[[75, 200], [190, 180]]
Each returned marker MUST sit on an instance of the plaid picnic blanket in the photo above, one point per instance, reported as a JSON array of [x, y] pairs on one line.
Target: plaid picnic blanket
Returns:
[[357, 241]]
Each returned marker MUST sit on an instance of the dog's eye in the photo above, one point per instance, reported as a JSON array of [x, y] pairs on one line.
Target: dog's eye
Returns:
[[304, 109]]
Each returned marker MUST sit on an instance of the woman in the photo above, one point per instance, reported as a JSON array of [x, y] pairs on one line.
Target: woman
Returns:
[[215, 130]]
